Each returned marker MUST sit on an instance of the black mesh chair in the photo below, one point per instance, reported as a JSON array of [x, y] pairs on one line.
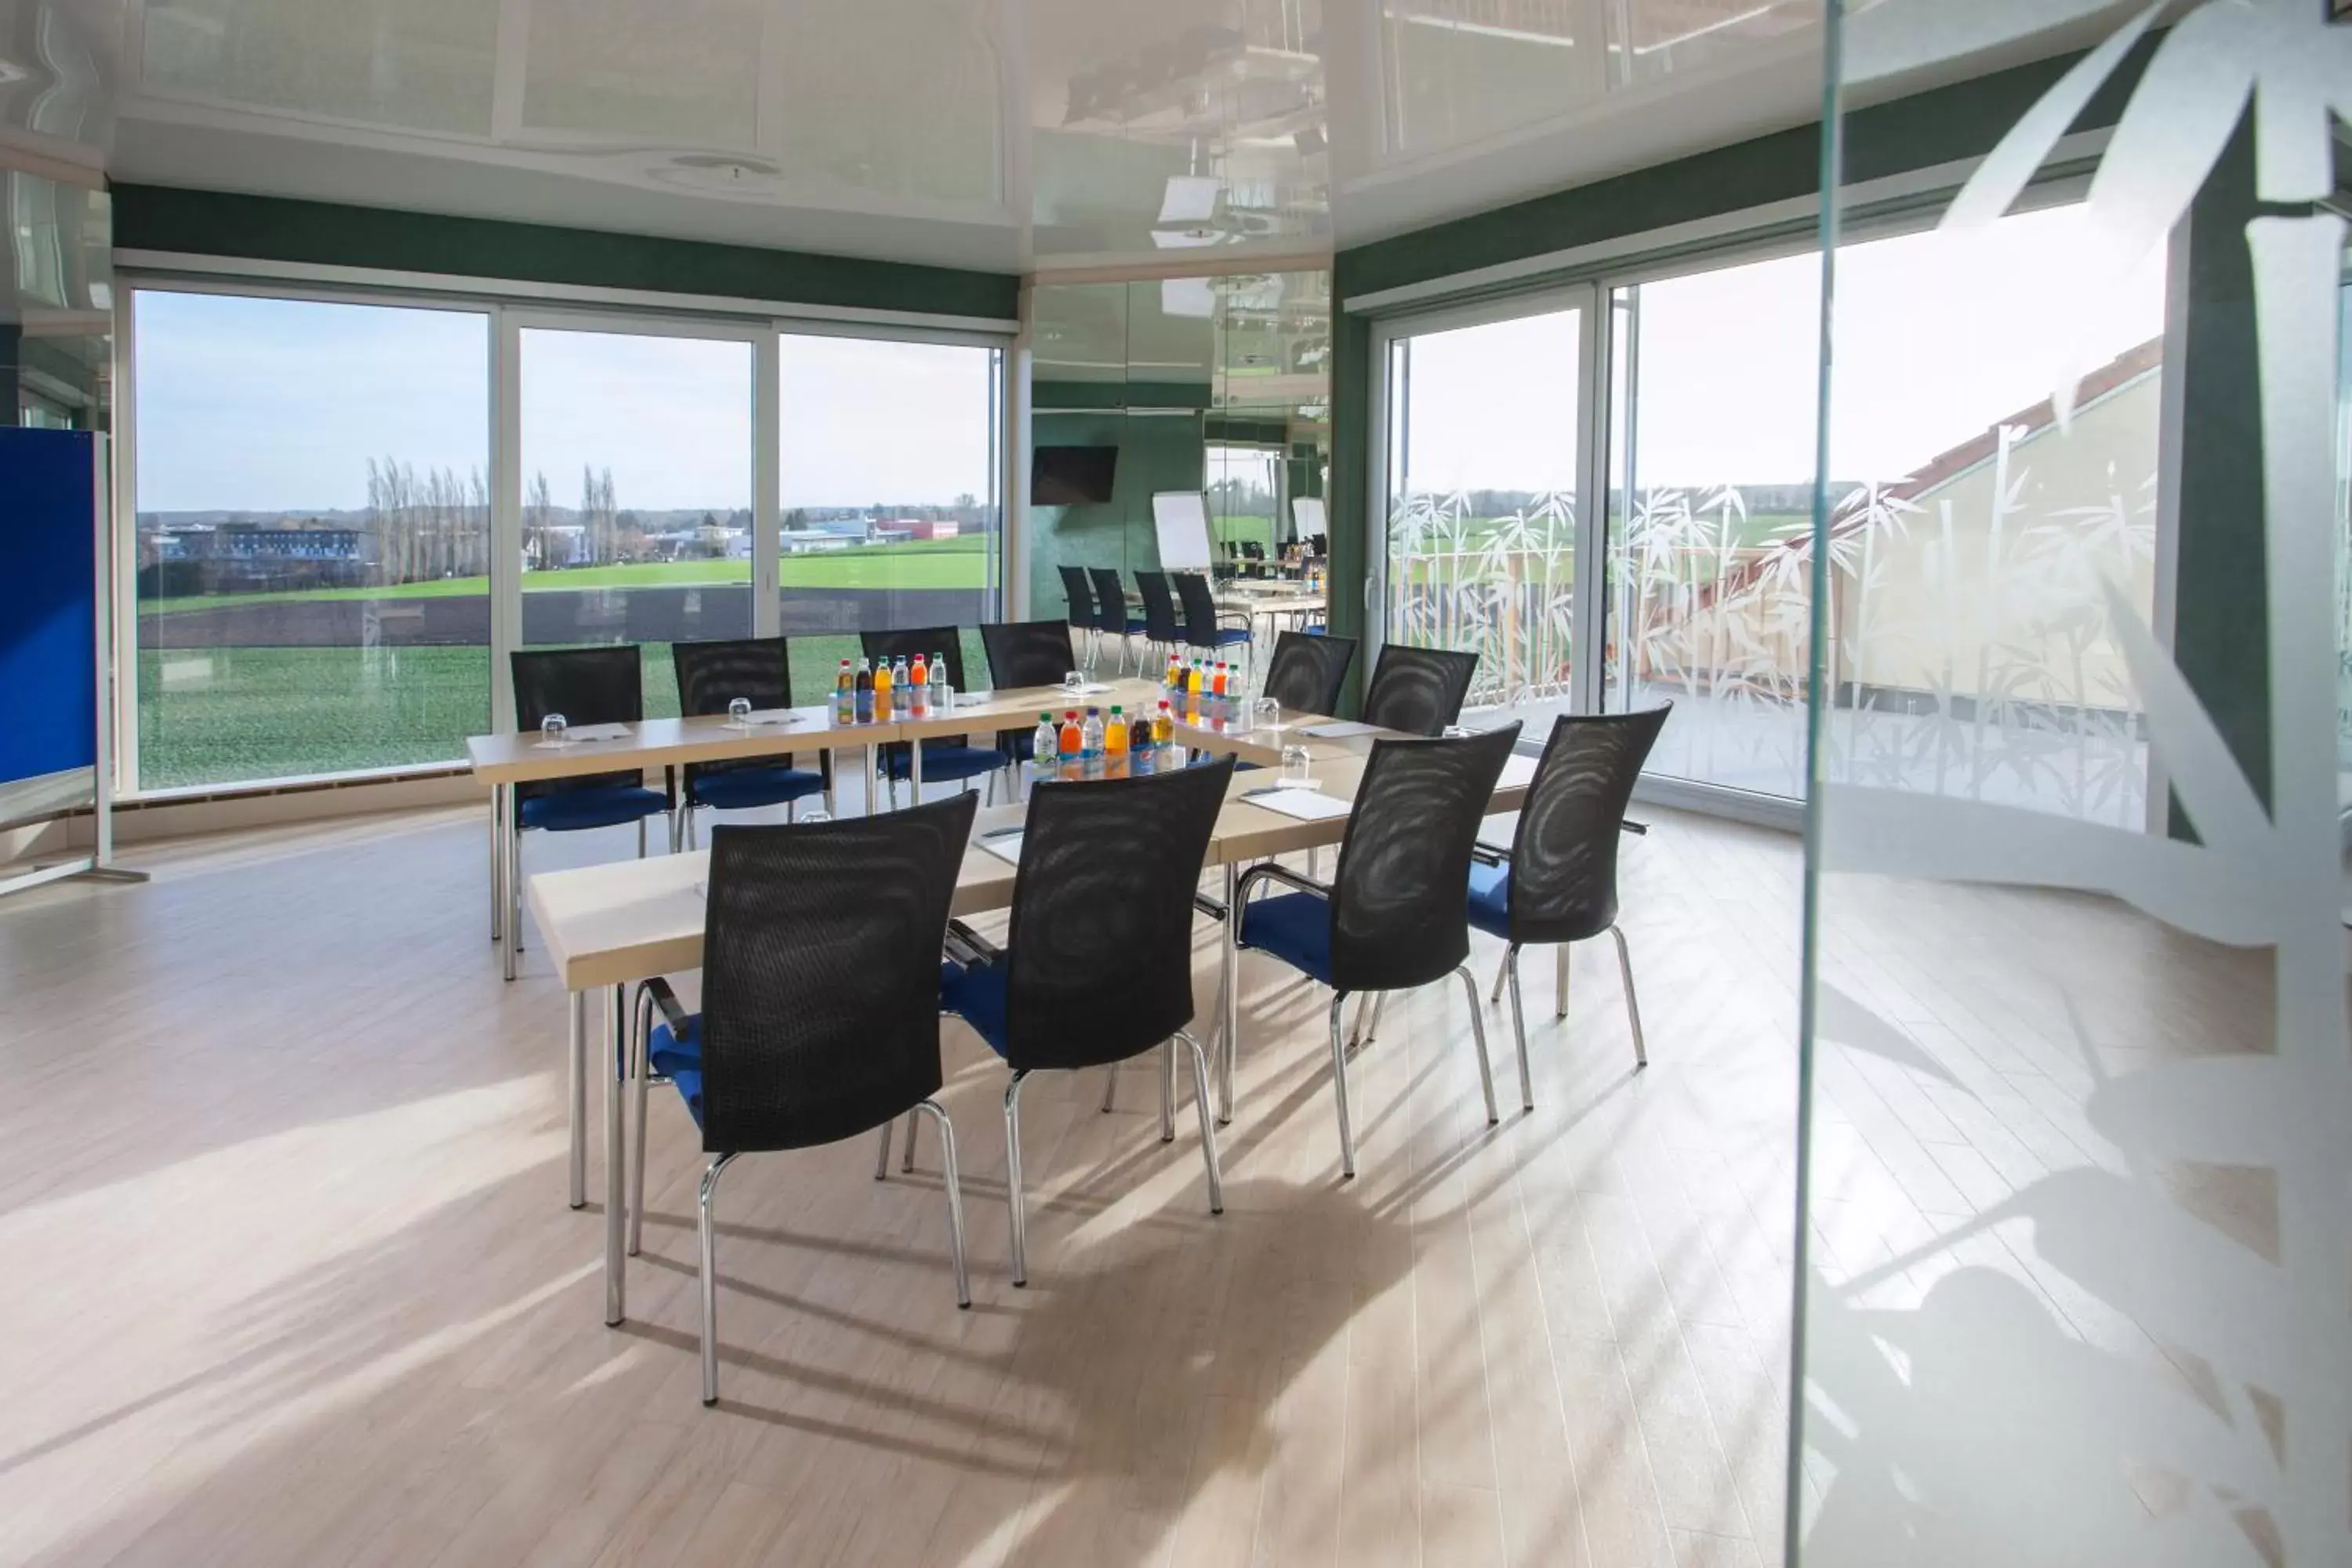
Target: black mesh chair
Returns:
[[820, 956], [947, 758], [1097, 968], [1203, 629], [710, 675], [1307, 672], [1163, 628], [1025, 653], [1558, 884], [1386, 921], [1419, 690], [1081, 597], [1110, 610], [587, 686]]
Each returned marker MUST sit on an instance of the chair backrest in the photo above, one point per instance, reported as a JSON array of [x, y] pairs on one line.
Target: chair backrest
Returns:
[[586, 685], [1564, 858], [1110, 599], [710, 675], [1026, 653], [927, 641], [1081, 597], [1200, 608], [1396, 919], [1307, 672], [1101, 934], [821, 973], [1419, 690], [1160, 622]]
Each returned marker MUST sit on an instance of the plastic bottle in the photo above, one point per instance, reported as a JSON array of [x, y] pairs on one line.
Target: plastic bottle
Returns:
[[1219, 680], [1045, 749], [845, 696], [881, 691], [1175, 681], [865, 693], [1116, 747], [1090, 743], [1163, 727], [918, 688], [902, 688], [938, 673], [1072, 745]]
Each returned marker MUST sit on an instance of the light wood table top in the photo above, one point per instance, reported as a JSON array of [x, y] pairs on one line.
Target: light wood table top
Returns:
[[525, 757], [609, 924]]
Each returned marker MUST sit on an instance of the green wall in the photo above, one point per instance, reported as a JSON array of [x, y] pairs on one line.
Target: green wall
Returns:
[[1156, 452], [271, 228]]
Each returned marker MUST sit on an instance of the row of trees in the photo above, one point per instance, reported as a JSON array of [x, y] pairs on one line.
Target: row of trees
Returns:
[[435, 523]]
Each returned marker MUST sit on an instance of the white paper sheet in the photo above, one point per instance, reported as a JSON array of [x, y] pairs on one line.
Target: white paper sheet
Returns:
[[1307, 805], [1005, 846], [1340, 729]]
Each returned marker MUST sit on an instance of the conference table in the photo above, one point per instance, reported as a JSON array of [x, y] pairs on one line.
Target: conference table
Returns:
[[607, 926]]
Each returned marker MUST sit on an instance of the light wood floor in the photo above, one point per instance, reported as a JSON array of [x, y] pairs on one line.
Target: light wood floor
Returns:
[[288, 1278]]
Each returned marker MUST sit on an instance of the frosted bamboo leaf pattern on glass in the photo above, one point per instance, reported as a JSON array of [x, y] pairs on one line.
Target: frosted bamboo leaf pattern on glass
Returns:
[[2123, 1335], [1501, 587]]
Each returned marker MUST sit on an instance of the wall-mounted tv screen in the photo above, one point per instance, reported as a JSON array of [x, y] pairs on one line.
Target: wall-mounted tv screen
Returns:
[[1072, 476]]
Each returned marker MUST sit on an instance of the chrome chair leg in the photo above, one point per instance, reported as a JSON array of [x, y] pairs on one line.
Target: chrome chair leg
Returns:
[[1633, 1003], [1014, 1202], [1478, 1038], [1519, 1028], [1502, 971], [708, 1227], [1340, 1090], [1110, 1088], [1208, 1119], [641, 1059], [1168, 1090], [906, 1166], [641, 838], [792, 810], [882, 1154], [955, 1191], [1560, 984], [1368, 1020]]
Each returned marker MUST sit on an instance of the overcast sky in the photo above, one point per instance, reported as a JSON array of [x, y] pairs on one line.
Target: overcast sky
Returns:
[[267, 404], [1937, 339], [274, 405]]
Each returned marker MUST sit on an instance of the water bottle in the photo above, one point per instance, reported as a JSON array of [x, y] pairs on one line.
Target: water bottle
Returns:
[[1090, 743], [939, 693], [1044, 751]]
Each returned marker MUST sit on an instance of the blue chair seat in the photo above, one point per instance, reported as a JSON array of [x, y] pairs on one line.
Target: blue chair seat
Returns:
[[607, 805], [1137, 626], [677, 1057], [945, 764], [1293, 927], [1490, 898], [977, 996], [1225, 636], [740, 789]]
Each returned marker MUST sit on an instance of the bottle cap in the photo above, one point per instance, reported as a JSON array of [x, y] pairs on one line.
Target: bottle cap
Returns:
[[1116, 707]]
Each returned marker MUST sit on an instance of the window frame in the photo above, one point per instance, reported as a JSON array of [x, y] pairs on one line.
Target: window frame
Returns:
[[506, 317]]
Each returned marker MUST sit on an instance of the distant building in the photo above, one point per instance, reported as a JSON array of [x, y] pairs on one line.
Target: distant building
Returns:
[[248, 557], [928, 527]]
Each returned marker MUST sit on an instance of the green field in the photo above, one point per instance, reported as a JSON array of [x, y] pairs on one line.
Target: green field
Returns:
[[232, 715], [959, 563]]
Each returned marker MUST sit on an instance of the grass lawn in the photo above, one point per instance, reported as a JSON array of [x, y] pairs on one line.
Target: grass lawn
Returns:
[[233, 715], [959, 563]]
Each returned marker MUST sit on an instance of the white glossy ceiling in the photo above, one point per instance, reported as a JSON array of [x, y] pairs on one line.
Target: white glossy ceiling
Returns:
[[1010, 134]]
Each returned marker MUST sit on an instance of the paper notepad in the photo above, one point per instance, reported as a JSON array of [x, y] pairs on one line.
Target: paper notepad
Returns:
[[1340, 729], [1307, 805], [579, 733], [1004, 846], [772, 716]]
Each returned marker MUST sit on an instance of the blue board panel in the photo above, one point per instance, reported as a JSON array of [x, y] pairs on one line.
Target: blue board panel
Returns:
[[48, 602]]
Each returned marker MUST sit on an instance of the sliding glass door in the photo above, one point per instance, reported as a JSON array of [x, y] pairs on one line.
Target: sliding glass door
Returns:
[[1488, 462], [636, 492]]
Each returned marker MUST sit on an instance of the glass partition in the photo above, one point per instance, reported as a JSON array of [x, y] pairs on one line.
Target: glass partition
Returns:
[[312, 539]]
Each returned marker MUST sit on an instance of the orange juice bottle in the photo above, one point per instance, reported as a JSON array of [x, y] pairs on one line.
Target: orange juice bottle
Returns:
[[1217, 680], [882, 691], [1115, 739], [1073, 741]]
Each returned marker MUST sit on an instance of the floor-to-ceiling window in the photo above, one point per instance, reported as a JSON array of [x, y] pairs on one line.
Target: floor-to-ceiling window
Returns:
[[1484, 445], [891, 459], [312, 542], [637, 500], [328, 575]]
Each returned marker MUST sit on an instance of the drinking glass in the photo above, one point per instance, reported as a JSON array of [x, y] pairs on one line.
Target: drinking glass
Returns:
[[1297, 768], [551, 730], [1075, 682], [817, 814], [1267, 714], [739, 713]]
